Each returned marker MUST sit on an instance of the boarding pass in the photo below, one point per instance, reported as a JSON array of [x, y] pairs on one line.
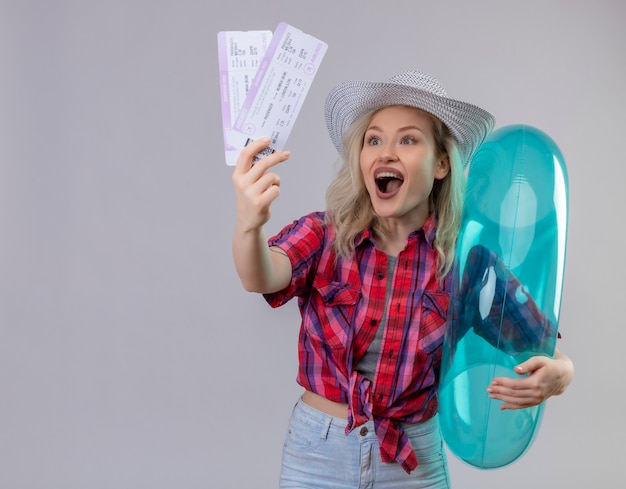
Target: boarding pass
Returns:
[[274, 97], [240, 54]]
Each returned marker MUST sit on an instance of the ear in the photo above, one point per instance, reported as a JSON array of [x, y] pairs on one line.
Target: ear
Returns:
[[443, 167]]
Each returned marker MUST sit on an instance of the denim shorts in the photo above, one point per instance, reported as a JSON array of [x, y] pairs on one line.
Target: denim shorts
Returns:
[[318, 454]]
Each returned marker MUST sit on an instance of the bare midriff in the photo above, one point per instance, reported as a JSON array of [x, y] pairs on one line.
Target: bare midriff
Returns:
[[337, 409]]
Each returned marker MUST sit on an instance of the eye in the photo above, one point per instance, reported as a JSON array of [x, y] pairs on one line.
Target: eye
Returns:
[[373, 140], [408, 140]]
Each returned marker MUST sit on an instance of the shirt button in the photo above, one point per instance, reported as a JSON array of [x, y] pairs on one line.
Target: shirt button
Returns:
[[373, 322], [363, 431], [380, 275]]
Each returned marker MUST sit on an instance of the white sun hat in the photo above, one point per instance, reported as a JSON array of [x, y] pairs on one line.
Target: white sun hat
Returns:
[[469, 124]]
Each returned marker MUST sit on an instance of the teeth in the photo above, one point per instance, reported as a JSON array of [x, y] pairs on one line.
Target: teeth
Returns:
[[387, 174], [388, 181]]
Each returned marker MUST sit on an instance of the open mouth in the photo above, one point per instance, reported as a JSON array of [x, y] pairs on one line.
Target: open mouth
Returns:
[[388, 181]]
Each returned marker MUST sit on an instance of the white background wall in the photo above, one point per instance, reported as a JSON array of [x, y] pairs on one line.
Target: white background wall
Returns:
[[130, 357]]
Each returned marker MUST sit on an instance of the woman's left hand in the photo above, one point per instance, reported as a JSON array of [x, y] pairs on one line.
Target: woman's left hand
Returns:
[[546, 377]]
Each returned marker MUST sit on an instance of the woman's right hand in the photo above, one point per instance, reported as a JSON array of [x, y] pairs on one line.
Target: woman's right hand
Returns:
[[256, 187]]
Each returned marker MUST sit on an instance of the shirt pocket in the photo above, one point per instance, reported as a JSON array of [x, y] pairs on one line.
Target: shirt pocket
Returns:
[[433, 320], [329, 315]]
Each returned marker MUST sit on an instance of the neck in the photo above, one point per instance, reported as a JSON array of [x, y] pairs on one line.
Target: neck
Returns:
[[396, 232]]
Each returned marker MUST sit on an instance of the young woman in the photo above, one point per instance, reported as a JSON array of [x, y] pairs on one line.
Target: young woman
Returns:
[[370, 275]]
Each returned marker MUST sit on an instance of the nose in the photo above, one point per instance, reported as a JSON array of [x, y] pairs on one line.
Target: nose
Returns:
[[387, 152]]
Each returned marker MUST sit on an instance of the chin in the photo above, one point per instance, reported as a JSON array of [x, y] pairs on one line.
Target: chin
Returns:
[[385, 213]]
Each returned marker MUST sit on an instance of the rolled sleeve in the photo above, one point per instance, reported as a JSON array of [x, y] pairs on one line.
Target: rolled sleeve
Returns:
[[303, 242]]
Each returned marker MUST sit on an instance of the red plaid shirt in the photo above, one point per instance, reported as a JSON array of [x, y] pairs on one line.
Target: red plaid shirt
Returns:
[[342, 304]]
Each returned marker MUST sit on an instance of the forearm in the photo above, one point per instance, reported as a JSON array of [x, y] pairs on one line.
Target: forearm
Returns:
[[259, 268], [255, 189]]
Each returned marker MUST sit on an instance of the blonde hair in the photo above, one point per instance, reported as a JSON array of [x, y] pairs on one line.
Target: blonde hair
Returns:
[[349, 209]]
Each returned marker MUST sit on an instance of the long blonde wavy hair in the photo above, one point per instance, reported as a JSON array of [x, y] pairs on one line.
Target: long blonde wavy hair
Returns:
[[349, 209]]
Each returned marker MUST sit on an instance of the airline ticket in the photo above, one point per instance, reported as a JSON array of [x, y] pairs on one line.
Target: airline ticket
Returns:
[[240, 54], [279, 87]]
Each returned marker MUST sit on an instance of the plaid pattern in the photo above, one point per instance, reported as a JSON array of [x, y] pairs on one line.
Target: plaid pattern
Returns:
[[513, 321], [342, 302]]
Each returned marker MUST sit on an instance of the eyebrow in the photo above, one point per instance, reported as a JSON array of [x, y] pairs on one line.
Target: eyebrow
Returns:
[[400, 129]]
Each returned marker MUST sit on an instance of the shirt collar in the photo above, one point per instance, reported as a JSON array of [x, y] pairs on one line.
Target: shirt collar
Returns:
[[429, 230]]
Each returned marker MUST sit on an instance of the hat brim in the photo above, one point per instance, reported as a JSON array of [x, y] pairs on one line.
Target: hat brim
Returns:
[[468, 123]]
